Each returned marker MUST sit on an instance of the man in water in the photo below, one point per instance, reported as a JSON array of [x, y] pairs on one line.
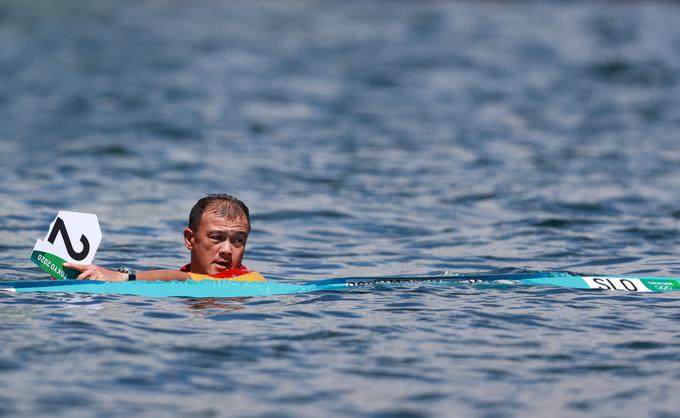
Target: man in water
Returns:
[[218, 229]]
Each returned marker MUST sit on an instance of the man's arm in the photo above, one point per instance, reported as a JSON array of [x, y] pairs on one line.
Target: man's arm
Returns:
[[94, 272]]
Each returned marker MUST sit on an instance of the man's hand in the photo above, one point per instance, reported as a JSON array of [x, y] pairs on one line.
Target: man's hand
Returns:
[[94, 272]]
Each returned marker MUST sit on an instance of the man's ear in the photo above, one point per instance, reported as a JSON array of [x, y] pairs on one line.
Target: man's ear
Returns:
[[189, 238]]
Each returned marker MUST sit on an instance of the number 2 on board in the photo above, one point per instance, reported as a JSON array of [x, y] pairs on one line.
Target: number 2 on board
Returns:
[[60, 227]]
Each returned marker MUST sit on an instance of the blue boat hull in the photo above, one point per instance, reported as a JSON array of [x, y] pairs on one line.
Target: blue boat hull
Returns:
[[226, 288]]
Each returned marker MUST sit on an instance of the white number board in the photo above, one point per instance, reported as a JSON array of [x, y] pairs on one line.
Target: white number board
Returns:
[[73, 237]]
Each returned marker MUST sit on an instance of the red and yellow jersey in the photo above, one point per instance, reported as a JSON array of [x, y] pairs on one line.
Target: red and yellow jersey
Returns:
[[241, 274]]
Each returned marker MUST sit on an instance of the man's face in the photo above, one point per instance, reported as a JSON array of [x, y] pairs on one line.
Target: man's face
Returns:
[[218, 244]]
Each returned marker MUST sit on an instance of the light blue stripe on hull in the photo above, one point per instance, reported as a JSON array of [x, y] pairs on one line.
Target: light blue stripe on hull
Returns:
[[199, 289], [574, 282]]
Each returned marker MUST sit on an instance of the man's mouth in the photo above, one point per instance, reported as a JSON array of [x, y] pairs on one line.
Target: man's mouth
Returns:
[[223, 264]]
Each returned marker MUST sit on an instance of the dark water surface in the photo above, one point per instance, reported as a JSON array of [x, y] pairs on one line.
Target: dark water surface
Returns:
[[368, 138]]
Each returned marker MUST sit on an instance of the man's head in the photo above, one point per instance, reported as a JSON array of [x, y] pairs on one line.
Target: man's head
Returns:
[[216, 236]]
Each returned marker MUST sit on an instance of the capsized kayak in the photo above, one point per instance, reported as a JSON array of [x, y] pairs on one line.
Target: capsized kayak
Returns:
[[231, 288]]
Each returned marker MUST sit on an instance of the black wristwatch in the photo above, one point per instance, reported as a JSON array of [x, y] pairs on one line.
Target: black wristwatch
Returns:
[[132, 275]]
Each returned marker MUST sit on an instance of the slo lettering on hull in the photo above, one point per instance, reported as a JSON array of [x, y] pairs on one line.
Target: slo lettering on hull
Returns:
[[628, 284]]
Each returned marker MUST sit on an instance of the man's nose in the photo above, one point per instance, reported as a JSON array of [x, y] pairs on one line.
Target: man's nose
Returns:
[[226, 247]]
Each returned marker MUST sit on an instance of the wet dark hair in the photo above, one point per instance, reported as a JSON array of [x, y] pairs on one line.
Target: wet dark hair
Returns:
[[224, 205]]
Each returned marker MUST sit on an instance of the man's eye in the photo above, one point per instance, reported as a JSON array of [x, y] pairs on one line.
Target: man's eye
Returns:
[[238, 241]]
